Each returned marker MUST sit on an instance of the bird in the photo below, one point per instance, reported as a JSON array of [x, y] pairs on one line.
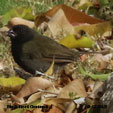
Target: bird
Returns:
[[34, 52]]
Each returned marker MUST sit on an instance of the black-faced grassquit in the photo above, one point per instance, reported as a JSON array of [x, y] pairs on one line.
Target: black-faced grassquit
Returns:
[[34, 52]]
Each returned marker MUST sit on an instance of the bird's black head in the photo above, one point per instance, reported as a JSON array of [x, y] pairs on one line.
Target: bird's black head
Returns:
[[20, 33]]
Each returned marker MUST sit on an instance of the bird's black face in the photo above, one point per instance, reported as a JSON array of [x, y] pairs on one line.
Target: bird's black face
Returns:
[[18, 31], [11, 33]]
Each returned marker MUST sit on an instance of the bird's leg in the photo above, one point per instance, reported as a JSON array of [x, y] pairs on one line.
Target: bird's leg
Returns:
[[43, 74]]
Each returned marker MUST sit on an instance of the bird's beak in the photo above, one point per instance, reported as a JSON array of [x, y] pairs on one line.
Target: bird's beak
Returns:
[[11, 33]]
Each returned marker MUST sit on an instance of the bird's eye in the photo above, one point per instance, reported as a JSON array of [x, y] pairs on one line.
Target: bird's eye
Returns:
[[11, 33]]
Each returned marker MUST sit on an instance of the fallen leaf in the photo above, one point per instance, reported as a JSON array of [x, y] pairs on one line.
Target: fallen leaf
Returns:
[[16, 20], [89, 83], [73, 89], [27, 109], [11, 81], [97, 88], [84, 5], [100, 76], [32, 85], [11, 84], [34, 97], [58, 102], [25, 13], [51, 68], [55, 110], [71, 41], [71, 107], [103, 60], [4, 29], [18, 100], [1, 66], [37, 111], [3, 104], [83, 57], [59, 24], [74, 16], [97, 29]]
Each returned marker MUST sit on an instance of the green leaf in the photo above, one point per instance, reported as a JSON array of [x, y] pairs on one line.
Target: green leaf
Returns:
[[103, 2], [71, 41], [11, 82], [101, 77], [99, 29], [25, 13]]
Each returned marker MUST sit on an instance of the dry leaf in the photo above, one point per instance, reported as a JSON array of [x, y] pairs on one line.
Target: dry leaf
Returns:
[[59, 24], [97, 88], [34, 97], [103, 60], [55, 110], [16, 20], [76, 88], [58, 102], [19, 100], [26, 111], [37, 111], [55, 101], [4, 29], [89, 83], [97, 29], [71, 107], [1, 66], [3, 104], [51, 68], [32, 85], [74, 16]]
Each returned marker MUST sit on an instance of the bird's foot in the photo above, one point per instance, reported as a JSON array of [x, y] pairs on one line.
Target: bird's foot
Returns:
[[43, 74]]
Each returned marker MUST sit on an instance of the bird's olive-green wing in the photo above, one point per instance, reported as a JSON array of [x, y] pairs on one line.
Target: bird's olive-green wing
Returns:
[[47, 49]]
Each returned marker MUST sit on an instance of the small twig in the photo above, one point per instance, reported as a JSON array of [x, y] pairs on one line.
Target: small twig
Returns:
[[40, 90], [108, 47]]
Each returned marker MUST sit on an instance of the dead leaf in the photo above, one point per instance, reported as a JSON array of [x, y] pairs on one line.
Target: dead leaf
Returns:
[[74, 16], [55, 110], [97, 88], [89, 83], [48, 93], [58, 102], [65, 77], [71, 107], [59, 24], [26, 111], [83, 57], [37, 111], [17, 100], [1, 66], [34, 97], [51, 68], [4, 29], [3, 104], [32, 85], [97, 29], [16, 20], [76, 88], [103, 60]]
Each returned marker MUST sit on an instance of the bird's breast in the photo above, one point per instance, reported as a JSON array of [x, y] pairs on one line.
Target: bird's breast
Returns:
[[16, 52]]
